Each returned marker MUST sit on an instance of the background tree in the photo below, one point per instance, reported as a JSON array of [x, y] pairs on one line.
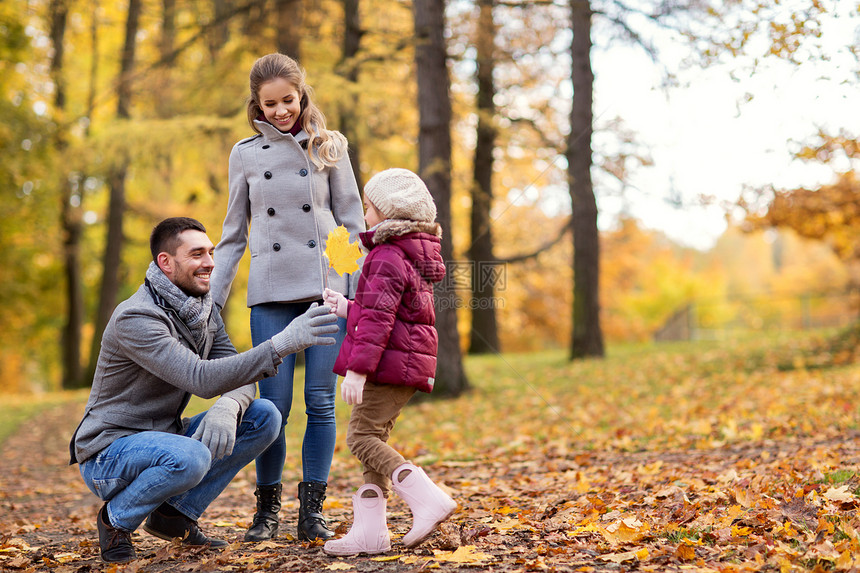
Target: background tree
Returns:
[[28, 220], [484, 335], [587, 336], [703, 25], [71, 221], [217, 38], [162, 83], [112, 258], [349, 69], [290, 16], [434, 166], [830, 213]]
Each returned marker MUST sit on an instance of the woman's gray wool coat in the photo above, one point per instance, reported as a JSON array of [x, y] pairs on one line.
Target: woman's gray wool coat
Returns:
[[290, 206]]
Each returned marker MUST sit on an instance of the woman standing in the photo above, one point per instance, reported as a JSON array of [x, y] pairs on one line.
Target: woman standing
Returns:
[[291, 184]]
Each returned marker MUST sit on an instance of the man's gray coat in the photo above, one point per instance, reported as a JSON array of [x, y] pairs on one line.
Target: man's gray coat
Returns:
[[149, 366]]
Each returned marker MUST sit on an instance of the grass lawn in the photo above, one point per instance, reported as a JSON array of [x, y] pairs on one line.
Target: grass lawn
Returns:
[[640, 397], [15, 409]]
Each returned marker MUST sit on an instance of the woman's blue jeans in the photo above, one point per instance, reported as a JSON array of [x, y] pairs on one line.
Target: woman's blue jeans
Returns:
[[320, 386], [137, 473]]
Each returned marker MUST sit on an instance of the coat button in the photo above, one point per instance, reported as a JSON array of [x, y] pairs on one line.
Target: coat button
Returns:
[[303, 172], [266, 146], [267, 174], [276, 246], [271, 212], [306, 207], [312, 244]]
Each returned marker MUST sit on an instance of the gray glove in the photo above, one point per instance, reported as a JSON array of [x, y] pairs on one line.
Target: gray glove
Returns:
[[306, 330], [217, 429]]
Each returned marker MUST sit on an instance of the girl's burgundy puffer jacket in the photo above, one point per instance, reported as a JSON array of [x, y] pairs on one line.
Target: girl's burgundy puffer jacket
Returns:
[[390, 333]]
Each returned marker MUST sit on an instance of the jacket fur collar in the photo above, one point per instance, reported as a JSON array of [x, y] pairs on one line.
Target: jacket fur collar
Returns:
[[396, 227]]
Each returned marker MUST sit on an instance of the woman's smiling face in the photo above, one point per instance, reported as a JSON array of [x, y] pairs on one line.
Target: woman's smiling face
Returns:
[[280, 102]]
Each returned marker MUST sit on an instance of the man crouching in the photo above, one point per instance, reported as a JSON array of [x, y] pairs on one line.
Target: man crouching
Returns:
[[163, 344]]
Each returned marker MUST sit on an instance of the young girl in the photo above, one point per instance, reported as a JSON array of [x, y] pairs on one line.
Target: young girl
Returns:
[[292, 183], [389, 353]]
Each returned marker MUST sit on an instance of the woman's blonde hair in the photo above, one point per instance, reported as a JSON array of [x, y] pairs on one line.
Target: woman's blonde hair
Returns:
[[330, 145]]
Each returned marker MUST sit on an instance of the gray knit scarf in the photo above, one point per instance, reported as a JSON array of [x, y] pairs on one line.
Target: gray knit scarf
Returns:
[[194, 311]]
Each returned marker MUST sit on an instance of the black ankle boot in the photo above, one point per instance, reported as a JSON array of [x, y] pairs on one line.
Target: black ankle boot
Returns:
[[265, 524], [168, 523], [312, 524]]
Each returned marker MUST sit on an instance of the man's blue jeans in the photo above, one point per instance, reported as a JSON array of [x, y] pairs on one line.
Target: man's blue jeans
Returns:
[[137, 473], [320, 386]]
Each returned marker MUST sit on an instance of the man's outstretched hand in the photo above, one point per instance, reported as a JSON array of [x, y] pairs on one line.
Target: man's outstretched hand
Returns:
[[306, 330]]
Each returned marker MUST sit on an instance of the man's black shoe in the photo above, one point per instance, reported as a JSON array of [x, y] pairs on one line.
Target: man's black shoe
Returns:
[[168, 523], [115, 544]]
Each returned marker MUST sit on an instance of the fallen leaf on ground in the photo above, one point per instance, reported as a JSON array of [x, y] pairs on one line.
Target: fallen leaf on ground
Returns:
[[466, 554], [840, 493]]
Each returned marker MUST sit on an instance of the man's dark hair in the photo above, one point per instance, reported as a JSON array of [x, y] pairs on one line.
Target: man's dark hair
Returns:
[[165, 235]]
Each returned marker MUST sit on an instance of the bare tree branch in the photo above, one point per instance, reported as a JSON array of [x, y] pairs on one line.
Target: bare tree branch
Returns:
[[545, 247]]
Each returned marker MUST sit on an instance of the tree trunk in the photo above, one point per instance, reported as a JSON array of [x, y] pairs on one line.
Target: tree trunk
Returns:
[[70, 214], [586, 338], [289, 18], [162, 85], [116, 181], [351, 43], [59, 13], [434, 159], [220, 34], [254, 24], [127, 61], [167, 42], [73, 375], [484, 336]]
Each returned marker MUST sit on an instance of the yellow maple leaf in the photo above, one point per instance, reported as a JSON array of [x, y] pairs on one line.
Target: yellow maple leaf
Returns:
[[625, 531], [508, 524], [845, 561], [463, 554], [622, 557], [840, 493], [589, 528], [342, 255], [66, 557], [685, 552]]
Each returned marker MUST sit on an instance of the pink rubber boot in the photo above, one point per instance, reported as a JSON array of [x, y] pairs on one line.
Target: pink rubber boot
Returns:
[[369, 531], [430, 505]]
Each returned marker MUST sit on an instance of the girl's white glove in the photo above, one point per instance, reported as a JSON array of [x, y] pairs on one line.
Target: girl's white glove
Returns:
[[352, 387], [336, 301]]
